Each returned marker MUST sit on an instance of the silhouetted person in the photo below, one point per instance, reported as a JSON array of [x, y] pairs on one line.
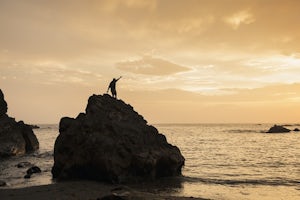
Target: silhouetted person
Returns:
[[112, 87]]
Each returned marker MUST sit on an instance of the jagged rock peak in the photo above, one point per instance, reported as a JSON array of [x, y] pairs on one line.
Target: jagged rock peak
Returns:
[[115, 110]]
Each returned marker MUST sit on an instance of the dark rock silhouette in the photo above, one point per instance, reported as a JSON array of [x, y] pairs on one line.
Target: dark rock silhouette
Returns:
[[32, 170], [278, 129], [27, 176], [2, 183], [16, 138], [111, 142], [296, 129]]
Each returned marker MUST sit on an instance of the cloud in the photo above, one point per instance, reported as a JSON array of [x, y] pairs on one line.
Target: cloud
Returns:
[[48, 29], [48, 73], [239, 18], [216, 75], [149, 65]]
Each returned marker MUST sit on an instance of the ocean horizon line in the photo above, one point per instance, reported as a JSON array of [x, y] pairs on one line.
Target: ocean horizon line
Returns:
[[205, 123]]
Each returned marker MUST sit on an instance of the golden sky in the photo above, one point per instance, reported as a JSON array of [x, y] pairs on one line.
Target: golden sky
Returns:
[[193, 61]]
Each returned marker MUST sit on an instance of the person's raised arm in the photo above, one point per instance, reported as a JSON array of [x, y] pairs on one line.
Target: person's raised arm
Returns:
[[119, 78]]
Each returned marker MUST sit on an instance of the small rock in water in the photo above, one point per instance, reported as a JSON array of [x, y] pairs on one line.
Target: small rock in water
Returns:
[[278, 129], [32, 170], [27, 176], [2, 183]]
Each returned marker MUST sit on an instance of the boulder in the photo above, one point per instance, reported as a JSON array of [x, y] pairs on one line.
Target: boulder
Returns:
[[296, 129], [278, 129], [27, 176], [112, 142], [16, 138], [32, 170]]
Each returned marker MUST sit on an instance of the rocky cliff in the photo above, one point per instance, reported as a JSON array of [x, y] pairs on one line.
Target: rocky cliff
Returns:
[[16, 138], [111, 142]]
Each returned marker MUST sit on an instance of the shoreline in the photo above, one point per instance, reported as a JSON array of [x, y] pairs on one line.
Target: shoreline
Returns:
[[83, 190]]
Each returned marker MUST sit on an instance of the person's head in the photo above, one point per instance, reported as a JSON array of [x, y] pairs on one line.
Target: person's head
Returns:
[[114, 79]]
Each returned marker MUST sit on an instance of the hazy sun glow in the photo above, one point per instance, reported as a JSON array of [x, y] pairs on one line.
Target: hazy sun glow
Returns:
[[181, 61]]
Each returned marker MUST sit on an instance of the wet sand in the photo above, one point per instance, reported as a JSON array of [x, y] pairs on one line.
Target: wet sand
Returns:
[[81, 190]]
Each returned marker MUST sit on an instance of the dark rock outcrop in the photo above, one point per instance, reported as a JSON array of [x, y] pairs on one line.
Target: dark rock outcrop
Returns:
[[16, 138], [278, 129], [296, 129], [111, 142], [32, 170]]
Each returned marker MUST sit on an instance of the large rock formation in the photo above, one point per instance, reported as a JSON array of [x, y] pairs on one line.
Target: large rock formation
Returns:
[[111, 142], [16, 138]]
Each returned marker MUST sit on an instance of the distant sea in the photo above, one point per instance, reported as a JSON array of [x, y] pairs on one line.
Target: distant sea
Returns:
[[223, 161]]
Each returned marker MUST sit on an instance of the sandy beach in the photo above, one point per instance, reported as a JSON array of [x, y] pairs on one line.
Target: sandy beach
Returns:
[[82, 190]]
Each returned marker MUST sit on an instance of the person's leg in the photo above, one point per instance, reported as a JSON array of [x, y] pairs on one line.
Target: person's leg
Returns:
[[114, 93]]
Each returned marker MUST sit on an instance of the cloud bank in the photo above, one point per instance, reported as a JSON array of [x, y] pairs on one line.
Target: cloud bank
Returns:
[[151, 66]]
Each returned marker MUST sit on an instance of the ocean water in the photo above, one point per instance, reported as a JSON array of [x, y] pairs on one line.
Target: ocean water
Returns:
[[237, 161], [223, 161]]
